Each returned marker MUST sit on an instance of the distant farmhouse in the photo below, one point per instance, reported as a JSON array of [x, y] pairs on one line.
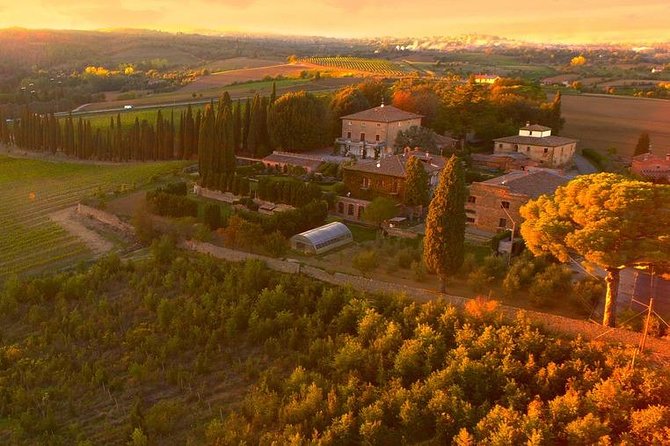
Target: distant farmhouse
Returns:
[[652, 167], [493, 205], [384, 177], [538, 144], [367, 133], [486, 78]]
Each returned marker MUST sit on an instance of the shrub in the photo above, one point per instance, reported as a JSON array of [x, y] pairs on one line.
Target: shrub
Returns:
[[552, 283], [212, 216], [365, 261], [588, 291], [163, 417], [419, 270], [478, 280]]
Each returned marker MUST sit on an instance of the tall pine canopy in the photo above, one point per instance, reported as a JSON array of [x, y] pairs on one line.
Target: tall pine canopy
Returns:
[[607, 219], [444, 243], [299, 121]]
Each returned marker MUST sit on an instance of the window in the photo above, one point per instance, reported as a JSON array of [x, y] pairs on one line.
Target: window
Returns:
[[504, 204], [470, 219], [362, 124], [394, 187], [546, 150], [366, 183], [379, 125], [360, 212], [500, 146], [350, 123], [502, 223], [348, 135], [527, 149], [362, 136], [350, 209], [472, 199], [516, 146], [340, 207], [377, 138]]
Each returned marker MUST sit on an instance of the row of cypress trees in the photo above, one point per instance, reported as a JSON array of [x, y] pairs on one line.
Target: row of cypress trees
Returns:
[[214, 135]]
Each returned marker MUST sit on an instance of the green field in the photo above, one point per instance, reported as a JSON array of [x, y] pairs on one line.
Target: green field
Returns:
[[30, 190]]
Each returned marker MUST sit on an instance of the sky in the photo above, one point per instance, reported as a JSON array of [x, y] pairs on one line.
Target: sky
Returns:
[[551, 21]]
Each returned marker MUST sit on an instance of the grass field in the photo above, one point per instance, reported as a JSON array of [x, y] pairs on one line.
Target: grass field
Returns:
[[30, 190], [601, 122], [239, 63]]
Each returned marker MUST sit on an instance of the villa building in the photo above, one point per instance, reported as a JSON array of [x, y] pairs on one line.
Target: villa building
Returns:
[[367, 133], [493, 205]]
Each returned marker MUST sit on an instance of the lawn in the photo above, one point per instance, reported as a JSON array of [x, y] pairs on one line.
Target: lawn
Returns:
[[30, 190]]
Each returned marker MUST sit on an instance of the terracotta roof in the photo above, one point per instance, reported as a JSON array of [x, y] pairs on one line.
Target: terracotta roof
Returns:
[[536, 128], [395, 165], [648, 156], [383, 113], [546, 141], [293, 159], [531, 183]]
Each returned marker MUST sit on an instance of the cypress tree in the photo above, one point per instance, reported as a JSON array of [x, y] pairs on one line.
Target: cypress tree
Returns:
[[417, 192], [444, 242], [643, 144], [246, 124], [273, 95], [237, 126]]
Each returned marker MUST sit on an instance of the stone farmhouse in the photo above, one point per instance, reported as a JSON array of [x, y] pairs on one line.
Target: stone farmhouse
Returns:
[[367, 133], [493, 205], [652, 167], [538, 144], [385, 177]]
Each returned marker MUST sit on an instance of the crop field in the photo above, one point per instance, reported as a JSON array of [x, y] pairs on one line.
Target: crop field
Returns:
[[357, 64], [239, 90], [601, 122], [218, 80], [239, 63], [30, 190]]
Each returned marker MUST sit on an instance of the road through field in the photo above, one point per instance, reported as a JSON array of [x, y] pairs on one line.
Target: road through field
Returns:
[[603, 121]]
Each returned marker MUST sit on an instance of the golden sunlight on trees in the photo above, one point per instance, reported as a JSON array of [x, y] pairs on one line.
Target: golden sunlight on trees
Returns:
[[609, 220], [578, 61]]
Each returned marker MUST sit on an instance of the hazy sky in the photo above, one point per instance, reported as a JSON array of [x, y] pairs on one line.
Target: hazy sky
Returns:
[[547, 20]]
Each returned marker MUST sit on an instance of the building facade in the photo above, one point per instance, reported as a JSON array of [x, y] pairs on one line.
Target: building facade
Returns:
[[365, 134], [538, 144], [652, 167], [493, 205], [367, 179]]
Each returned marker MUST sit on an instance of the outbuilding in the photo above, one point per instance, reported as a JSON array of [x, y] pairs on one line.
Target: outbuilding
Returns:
[[322, 239]]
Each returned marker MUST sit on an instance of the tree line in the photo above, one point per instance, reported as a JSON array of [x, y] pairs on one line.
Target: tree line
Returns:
[[297, 361]]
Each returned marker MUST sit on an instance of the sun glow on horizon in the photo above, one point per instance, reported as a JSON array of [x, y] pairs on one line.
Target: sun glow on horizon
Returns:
[[568, 21]]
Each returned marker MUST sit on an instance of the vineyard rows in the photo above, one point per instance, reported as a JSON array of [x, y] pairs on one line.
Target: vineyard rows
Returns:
[[31, 190], [379, 66]]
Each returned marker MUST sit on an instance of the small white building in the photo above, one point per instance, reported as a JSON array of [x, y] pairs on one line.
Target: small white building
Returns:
[[538, 144], [322, 239]]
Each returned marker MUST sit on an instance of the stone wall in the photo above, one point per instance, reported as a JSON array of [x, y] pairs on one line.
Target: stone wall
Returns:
[[104, 217], [553, 323]]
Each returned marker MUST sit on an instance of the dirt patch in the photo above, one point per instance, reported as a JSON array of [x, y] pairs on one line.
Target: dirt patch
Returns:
[[218, 80], [71, 222]]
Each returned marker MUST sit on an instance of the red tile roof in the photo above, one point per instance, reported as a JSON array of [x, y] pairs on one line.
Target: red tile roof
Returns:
[[383, 113], [546, 141], [394, 165], [531, 183]]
